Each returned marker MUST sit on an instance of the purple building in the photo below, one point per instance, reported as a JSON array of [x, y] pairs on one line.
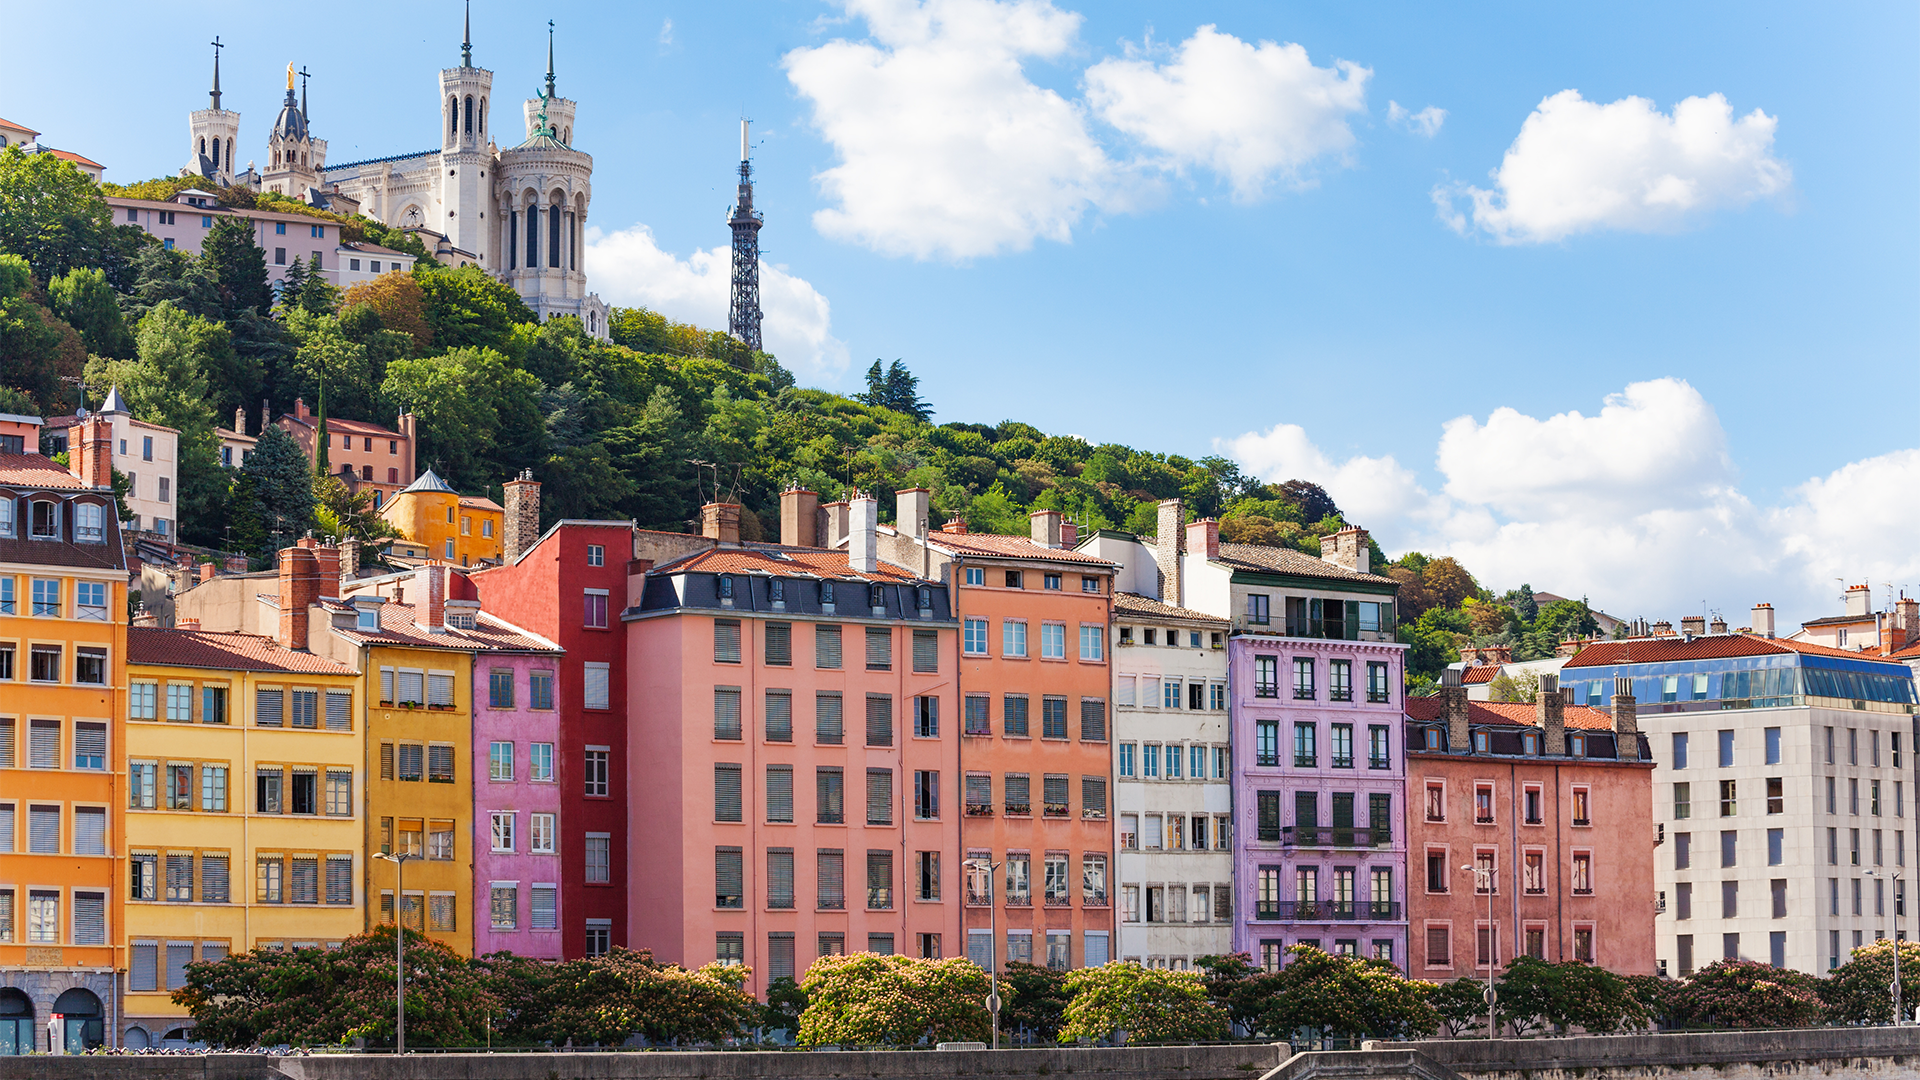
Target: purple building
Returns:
[[516, 803]]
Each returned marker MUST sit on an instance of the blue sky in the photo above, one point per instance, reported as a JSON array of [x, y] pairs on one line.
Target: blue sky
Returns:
[[1105, 220]]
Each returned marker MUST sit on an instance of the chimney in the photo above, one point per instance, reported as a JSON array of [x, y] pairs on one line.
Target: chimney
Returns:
[[1046, 527], [862, 543], [1069, 534], [1453, 706], [1203, 539], [1166, 552], [1763, 620], [409, 447], [266, 415], [299, 589], [910, 512], [145, 619], [955, 525], [207, 571], [1661, 629], [836, 522], [239, 419], [91, 452], [430, 607], [799, 518], [186, 623], [300, 409], [1695, 625], [721, 521], [1859, 600], [1347, 548], [1906, 622], [522, 525], [349, 564], [1550, 712], [329, 560], [1626, 720]]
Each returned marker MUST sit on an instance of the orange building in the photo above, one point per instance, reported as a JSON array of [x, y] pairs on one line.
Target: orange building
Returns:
[[440, 523], [1035, 748], [1553, 802], [63, 637]]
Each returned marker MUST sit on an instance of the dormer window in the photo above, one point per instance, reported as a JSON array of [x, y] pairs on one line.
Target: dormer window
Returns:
[[1577, 746], [367, 618], [777, 591], [46, 519], [826, 594], [6, 515], [923, 599], [1479, 742], [876, 596], [88, 524], [1530, 742], [1436, 739], [726, 586]]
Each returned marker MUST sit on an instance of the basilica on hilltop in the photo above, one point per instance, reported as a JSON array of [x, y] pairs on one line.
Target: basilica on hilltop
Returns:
[[520, 212]]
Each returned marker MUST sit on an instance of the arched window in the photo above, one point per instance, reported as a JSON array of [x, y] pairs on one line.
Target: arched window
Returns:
[[453, 116], [483, 116], [567, 137], [469, 114], [216, 153], [553, 234], [203, 148]]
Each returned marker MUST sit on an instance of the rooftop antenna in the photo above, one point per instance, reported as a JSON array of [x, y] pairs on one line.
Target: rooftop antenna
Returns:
[[743, 315], [216, 72]]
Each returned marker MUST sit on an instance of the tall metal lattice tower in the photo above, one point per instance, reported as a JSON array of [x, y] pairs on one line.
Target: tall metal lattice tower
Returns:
[[743, 317]]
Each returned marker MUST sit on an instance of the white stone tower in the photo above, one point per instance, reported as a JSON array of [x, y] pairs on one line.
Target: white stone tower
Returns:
[[213, 131], [294, 156], [465, 154]]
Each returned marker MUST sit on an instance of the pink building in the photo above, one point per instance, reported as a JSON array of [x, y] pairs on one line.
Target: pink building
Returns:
[[180, 224], [794, 738], [517, 812]]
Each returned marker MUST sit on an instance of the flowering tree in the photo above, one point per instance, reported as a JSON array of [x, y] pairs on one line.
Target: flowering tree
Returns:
[[1860, 990], [867, 999], [1535, 994], [605, 999], [1149, 1004], [1748, 994]]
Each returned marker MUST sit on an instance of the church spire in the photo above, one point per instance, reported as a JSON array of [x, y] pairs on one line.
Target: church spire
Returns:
[[466, 39], [549, 58], [216, 72]]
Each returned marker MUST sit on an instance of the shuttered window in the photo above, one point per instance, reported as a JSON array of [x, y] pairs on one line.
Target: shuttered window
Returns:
[[386, 685], [726, 793], [269, 707], [440, 688], [830, 796], [89, 745], [180, 877], [780, 877], [339, 710], [89, 830], [545, 908], [594, 691], [728, 875], [879, 648], [6, 831], [215, 887], [179, 955], [780, 716], [43, 830], [780, 643], [1018, 789], [726, 641], [826, 647], [440, 764], [726, 712], [89, 918], [43, 744], [926, 651], [779, 793], [143, 968], [1093, 720], [410, 760], [831, 873], [413, 686], [879, 720], [1053, 717], [306, 708], [6, 915], [979, 794], [339, 879], [303, 880], [386, 761], [214, 951], [879, 796], [8, 760], [1054, 788], [1093, 798], [829, 727], [780, 956], [879, 880], [1013, 714]]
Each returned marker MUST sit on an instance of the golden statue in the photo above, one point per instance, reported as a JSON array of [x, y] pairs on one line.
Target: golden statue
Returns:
[[289, 76]]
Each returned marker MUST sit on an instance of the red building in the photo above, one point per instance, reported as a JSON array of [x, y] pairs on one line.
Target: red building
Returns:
[[1554, 803]]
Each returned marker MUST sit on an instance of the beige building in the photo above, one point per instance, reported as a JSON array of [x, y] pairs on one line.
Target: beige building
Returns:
[[146, 454]]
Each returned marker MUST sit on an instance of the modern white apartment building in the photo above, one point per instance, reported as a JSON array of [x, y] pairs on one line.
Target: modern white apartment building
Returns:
[[1783, 783]]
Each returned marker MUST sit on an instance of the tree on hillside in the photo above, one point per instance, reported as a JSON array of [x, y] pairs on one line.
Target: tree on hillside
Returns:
[[84, 300], [52, 215], [239, 267], [896, 388], [468, 307], [400, 303], [478, 416], [292, 284], [327, 355], [316, 295], [38, 351], [273, 497]]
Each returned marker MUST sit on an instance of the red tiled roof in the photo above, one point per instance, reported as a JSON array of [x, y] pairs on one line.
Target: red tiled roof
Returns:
[[1280, 560], [1132, 605], [779, 562], [338, 426], [1479, 673], [58, 423], [480, 502], [489, 634], [68, 155], [1009, 547], [33, 470], [223, 651], [1711, 647], [1515, 713], [5, 123]]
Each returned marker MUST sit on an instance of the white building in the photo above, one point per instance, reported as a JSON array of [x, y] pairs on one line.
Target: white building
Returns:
[[146, 454], [1782, 785]]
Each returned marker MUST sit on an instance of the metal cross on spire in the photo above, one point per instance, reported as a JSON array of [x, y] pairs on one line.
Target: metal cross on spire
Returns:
[[216, 72], [466, 38], [304, 73]]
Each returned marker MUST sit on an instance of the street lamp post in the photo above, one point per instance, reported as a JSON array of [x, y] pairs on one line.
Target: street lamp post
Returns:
[[1483, 877], [993, 956], [1894, 990], [399, 862]]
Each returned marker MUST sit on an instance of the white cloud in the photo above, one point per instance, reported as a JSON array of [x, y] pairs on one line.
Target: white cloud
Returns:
[[1579, 166], [628, 267], [666, 32], [1252, 113], [946, 148], [1636, 506], [1426, 122]]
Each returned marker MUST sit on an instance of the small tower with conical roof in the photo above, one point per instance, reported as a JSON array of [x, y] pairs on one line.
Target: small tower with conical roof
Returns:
[[465, 92], [212, 132]]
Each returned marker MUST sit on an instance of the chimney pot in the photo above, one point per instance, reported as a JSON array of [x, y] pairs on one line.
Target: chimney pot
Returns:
[[186, 623], [1069, 534], [1347, 548], [837, 524], [1203, 538], [799, 518], [1763, 620], [862, 539], [956, 525]]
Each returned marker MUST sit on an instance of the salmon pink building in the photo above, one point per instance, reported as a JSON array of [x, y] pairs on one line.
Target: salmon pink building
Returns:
[[1553, 803], [793, 751]]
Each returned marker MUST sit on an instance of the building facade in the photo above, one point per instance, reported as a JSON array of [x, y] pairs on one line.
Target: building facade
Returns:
[[463, 530], [518, 699], [245, 772], [63, 638], [363, 455], [183, 222], [1549, 802], [146, 453], [1783, 786]]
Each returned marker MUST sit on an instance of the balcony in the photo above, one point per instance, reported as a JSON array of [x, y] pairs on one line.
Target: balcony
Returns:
[[1325, 911], [1335, 837]]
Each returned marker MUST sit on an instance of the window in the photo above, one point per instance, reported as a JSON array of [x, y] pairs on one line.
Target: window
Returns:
[[879, 648], [599, 858], [1776, 795], [596, 610], [46, 594], [729, 874], [540, 762], [778, 723], [1682, 801], [1093, 642], [830, 877], [879, 720], [1303, 678], [880, 881], [502, 830], [1340, 680], [1267, 743], [975, 640], [1013, 715], [1017, 794], [1483, 804], [1582, 806], [89, 745], [1306, 754], [1053, 641], [1257, 611], [1679, 756], [726, 713], [595, 770], [1726, 749], [829, 796], [1013, 638], [779, 644], [727, 804], [1342, 746], [1013, 579], [726, 640], [500, 689], [977, 722], [1773, 745], [1377, 690], [829, 727], [596, 555], [1053, 717], [503, 905], [1053, 791]]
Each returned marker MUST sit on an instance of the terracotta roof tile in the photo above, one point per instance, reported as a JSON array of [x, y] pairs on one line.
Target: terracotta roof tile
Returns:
[[1515, 713], [1009, 547], [1479, 673], [489, 634], [1711, 647], [1279, 560], [223, 651], [480, 502], [1136, 606], [779, 562], [34, 470], [338, 426]]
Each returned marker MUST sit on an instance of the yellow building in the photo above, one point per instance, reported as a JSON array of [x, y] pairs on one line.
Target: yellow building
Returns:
[[440, 523], [63, 627], [245, 779]]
